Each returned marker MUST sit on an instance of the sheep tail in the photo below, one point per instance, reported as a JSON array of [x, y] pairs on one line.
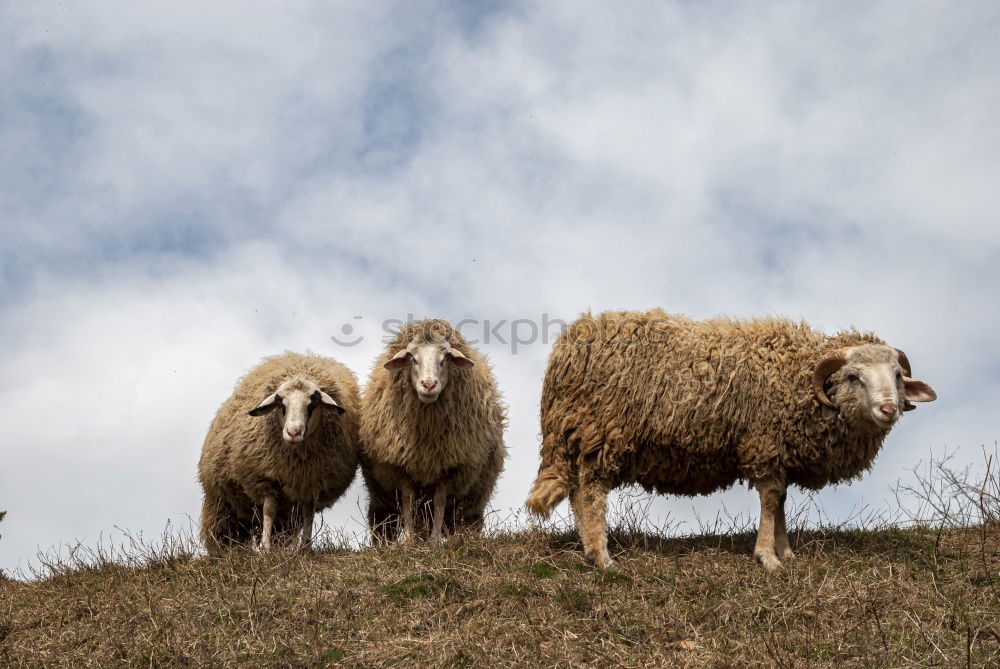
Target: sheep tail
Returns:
[[552, 483]]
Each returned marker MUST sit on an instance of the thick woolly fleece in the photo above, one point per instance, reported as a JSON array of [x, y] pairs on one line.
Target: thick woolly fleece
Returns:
[[245, 459], [455, 441], [690, 407]]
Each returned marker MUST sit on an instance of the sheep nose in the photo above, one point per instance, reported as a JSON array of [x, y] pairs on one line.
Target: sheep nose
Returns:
[[888, 409], [293, 431], [429, 385]]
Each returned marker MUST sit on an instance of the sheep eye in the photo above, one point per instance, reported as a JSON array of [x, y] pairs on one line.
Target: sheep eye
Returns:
[[853, 378]]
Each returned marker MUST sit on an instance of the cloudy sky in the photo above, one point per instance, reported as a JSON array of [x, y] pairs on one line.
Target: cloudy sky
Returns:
[[187, 187]]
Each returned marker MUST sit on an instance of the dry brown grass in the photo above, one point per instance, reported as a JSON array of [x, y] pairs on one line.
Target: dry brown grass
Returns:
[[884, 598], [876, 597]]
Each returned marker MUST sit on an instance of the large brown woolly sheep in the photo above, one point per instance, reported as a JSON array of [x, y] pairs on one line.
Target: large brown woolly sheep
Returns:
[[690, 407], [282, 447], [432, 434]]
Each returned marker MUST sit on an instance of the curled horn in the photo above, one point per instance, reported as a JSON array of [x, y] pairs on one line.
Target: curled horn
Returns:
[[904, 362], [824, 368]]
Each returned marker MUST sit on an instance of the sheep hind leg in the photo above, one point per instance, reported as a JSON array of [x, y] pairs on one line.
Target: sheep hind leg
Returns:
[[437, 519], [384, 523], [770, 497], [408, 535], [307, 528], [589, 503], [216, 524], [781, 546]]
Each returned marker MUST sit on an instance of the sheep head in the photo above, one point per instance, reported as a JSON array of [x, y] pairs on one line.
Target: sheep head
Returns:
[[871, 381], [429, 363], [297, 401]]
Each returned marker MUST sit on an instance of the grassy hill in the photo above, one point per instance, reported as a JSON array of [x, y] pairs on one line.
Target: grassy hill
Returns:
[[927, 595], [888, 597]]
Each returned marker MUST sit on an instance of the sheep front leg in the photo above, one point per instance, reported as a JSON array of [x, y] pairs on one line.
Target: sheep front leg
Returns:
[[270, 510], [770, 500], [409, 502], [781, 545], [437, 522], [589, 502]]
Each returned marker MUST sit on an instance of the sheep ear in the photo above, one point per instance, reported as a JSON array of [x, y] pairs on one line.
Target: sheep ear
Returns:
[[398, 361], [329, 402], [458, 359], [269, 404], [828, 413], [917, 391]]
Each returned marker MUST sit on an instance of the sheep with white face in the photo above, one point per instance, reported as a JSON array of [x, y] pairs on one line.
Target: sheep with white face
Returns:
[[282, 448], [432, 422], [429, 366], [296, 401], [691, 407]]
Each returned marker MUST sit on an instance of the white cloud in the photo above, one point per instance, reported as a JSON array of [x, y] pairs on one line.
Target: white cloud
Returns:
[[194, 187]]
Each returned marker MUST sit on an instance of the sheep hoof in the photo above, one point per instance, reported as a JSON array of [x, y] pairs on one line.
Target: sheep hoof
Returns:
[[611, 565], [604, 562], [768, 560], [786, 554]]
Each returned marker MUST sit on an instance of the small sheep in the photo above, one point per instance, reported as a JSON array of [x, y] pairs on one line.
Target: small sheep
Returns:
[[432, 434], [690, 407], [282, 447]]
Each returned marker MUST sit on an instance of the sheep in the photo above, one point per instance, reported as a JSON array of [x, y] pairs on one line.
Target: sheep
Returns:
[[282, 447], [432, 423], [690, 407]]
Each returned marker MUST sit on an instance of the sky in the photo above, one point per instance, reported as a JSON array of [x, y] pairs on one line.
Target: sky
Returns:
[[188, 187]]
